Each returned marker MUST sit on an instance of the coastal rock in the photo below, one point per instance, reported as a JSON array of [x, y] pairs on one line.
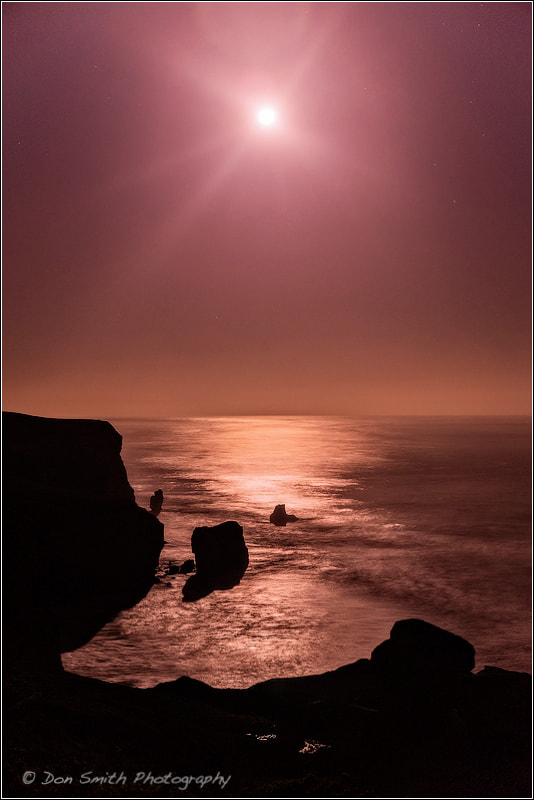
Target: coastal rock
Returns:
[[473, 743], [181, 569], [280, 518], [423, 663], [221, 557], [336, 734], [77, 548], [156, 501]]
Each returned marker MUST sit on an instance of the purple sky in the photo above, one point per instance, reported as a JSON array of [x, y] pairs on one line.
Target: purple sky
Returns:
[[166, 256]]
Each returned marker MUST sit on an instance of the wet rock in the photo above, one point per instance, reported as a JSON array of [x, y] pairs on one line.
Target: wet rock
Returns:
[[221, 557], [181, 569], [73, 531], [156, 501], [280, 518]]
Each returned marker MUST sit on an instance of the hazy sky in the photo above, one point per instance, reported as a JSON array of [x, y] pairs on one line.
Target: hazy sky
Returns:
[[165, 255]]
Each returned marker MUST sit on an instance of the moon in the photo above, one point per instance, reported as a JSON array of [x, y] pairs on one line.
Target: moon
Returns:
[[266, 116]]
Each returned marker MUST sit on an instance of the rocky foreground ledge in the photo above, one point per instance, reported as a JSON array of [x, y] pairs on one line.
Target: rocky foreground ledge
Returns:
[[413, 720]]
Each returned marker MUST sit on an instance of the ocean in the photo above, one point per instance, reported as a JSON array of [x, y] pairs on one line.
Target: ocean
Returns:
[[425, 517]]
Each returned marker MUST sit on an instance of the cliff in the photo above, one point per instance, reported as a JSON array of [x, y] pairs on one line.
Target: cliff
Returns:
[[77, 548]]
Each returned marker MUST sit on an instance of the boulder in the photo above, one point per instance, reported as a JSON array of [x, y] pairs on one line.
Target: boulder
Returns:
[[221, 557], [181, 569], [423, 664], [417, 647], [279, 516], [77, 547]]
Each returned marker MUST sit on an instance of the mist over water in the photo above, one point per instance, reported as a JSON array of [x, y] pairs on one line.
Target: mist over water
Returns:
[[398, 517]]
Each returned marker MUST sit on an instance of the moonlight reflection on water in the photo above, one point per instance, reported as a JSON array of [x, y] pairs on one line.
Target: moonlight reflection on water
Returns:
[[396, 518]]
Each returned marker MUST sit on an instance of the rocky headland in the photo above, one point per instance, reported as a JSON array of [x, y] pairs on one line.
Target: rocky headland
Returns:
[[77, 548], [412, 720]]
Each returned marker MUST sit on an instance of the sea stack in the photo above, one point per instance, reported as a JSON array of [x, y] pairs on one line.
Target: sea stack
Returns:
[[221, 557], [280, 518]]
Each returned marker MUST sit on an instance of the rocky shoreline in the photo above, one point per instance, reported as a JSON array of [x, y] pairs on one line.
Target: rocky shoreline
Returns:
[[412, 720], [358, 731]]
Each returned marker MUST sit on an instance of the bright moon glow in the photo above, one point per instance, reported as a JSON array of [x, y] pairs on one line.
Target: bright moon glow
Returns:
[[266, 116]]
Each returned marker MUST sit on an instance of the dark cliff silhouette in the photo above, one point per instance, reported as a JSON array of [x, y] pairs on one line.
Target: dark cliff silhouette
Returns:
[[77, 548]]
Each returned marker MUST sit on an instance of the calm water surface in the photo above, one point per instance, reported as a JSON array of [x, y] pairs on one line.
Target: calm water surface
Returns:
[[398, 517]]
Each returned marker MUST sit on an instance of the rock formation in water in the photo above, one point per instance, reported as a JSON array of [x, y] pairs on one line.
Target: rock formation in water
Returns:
[[221, 557], [181, 569], [156, 501], [280, 518], [77, 547], [187, 566]]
